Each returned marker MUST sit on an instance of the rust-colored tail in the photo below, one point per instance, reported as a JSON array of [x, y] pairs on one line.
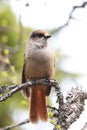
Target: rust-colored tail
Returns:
[[38, 104]]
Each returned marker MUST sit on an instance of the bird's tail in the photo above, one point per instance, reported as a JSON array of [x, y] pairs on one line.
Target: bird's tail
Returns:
[[38, 108]]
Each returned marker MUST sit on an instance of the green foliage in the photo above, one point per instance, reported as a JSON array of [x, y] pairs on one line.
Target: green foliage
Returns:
[[8, 28], [52, 121], [50, 114], [12, 45]]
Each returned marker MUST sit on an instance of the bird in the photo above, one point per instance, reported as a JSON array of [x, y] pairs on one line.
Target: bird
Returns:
[[39, 62]]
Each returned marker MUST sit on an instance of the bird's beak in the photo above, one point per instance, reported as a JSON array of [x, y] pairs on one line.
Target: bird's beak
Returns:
[[47, 36]]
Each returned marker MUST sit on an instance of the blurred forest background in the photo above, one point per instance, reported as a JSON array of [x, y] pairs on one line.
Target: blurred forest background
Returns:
[[13, 37], [12, 45]]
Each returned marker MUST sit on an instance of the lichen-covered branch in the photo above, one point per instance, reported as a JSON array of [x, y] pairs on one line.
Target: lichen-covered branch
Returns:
[[66, 113], [10, 90], [71, 110]]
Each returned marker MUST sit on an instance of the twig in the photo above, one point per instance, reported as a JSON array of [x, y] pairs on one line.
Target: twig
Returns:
[[16, 125], [73, 9], [53, 108], [69, 17], [80, 6]]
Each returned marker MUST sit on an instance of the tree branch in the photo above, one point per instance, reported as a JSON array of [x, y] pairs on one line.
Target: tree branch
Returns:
[[71, 13], [15, 88], [16, 125], [69, 17], [66, 113], [71, 109]]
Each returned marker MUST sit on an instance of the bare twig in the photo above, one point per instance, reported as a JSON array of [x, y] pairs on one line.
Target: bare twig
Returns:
[[69, 17], [53, 108], [80, 6], [71, 13], [73, 9], [16, 125]]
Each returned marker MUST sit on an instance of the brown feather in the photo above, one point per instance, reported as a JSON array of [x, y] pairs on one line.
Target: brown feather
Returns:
[[38, 104], [25, 91]]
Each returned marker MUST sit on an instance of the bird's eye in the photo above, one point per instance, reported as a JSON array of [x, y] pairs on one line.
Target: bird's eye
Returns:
[[40, 35], [34, 35]]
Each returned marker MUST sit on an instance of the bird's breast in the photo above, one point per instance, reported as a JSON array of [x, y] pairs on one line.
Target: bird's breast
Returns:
[[39, 64]]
